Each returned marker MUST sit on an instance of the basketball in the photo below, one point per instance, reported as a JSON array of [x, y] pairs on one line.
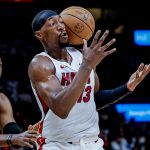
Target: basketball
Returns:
[[79, 22]]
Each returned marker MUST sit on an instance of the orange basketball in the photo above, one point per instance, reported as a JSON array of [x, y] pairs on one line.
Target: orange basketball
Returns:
[[80, 24]]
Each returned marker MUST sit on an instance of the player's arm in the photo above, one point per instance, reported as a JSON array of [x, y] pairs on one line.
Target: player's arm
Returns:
[[105, 98], [27, 138], [7, 121], [6, 112], [60, 101]]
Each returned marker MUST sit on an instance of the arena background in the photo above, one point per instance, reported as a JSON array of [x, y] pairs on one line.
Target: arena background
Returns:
[[18, 46]]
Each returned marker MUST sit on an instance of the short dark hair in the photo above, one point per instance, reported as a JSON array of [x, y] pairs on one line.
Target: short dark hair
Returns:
[[40, 18]]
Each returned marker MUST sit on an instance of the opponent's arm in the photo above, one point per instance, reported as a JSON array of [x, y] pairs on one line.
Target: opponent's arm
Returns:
[[105, 98], [27, 138], [6, 112], [7, 121]]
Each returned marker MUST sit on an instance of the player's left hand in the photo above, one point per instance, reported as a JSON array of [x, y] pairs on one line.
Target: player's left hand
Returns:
[[138, 76], [34, 127]]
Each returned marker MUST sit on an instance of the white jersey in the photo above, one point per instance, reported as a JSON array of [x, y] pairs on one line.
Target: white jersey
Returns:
[[82, 121]]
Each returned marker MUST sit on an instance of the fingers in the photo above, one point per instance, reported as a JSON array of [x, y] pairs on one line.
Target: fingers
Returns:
[[34, 127], [84, 46], [142, 71], [32, 132], [97, 44], [95, 39], [30, 138], [107, 45], [102, 39], [109, 52], [146, 70], [141, 66], [29, 142], [30, 127]]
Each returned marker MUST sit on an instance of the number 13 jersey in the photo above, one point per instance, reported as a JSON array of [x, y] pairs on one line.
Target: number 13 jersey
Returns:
[[83, 120]]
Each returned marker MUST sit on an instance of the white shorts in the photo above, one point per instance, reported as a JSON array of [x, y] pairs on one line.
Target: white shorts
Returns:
[[82, 145]]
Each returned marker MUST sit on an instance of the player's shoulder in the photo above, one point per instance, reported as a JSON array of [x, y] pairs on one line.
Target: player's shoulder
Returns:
[[3, 96], [3, 100], [40, 60], [40, 65]]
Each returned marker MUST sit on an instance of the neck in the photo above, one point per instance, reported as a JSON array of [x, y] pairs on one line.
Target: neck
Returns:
[[60, 54]]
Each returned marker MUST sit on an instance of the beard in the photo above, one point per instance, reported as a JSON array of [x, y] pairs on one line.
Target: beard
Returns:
[[63, 45]]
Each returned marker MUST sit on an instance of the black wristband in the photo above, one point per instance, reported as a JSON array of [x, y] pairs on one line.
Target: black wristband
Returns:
[[8, 140], [12, 128]]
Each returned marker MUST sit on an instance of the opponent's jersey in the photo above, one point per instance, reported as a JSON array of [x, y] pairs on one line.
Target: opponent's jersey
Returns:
[[83, 119]]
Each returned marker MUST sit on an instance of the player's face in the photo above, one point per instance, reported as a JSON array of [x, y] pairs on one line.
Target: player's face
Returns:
[[54, 32]]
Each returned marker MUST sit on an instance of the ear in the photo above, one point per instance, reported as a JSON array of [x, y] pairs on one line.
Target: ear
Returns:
[[38, 35]]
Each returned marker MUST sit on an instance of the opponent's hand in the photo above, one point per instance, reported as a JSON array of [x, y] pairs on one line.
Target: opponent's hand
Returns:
[[97, 51], [27, 138], [138, 76], [34, 127]]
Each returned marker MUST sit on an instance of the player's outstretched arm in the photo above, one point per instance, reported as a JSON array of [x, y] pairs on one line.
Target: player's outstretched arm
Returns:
[[104, 98], [138, 76]]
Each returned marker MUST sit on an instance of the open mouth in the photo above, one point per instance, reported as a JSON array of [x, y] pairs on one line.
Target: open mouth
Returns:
[[64, 35]]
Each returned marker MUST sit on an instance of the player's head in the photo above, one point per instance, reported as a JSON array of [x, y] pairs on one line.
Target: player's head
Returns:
[[40, 18], [49, 28]]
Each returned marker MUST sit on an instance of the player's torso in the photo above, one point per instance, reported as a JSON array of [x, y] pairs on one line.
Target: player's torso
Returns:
[[83, 118]]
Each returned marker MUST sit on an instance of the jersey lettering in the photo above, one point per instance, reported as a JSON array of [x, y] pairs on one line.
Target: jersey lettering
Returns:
[[67, 78]]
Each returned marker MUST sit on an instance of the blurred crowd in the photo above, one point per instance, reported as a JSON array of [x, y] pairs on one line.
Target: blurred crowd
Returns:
[[120, 134], [16, 54]]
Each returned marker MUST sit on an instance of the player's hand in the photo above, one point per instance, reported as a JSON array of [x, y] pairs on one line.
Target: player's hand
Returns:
[[138, 76], [97, 51], [34, 127], [27, 138]]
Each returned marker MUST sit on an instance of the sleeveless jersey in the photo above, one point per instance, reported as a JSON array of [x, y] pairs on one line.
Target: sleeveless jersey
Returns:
[[83, 120]]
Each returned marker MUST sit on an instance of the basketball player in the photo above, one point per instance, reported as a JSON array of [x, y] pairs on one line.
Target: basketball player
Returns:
[[63, 81], [12, 133]]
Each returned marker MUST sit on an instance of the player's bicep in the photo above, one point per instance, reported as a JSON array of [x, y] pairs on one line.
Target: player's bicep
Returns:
[[6, 112], [48, 89], [42, 75]]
